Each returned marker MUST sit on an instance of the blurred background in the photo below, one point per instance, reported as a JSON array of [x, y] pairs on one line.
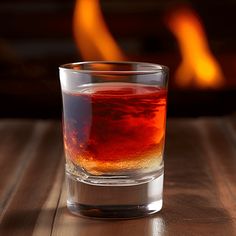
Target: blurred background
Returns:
[[195, 39]]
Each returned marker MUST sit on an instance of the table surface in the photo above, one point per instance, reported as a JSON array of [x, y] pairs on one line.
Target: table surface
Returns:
[[200, 182]]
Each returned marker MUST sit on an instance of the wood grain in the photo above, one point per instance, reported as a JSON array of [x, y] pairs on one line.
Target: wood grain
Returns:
[[31, 190], [200, 182]]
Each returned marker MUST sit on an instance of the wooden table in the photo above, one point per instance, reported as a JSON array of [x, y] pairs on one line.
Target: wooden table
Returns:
[[200, 182]]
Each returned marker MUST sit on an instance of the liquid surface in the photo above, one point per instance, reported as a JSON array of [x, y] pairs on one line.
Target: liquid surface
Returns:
[[111, 127]]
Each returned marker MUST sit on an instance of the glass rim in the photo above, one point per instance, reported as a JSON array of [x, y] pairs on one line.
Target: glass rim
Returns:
[[151, 68]]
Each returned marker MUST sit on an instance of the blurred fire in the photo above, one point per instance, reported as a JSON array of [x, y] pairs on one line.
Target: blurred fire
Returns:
[[198, 68], [92, 36]]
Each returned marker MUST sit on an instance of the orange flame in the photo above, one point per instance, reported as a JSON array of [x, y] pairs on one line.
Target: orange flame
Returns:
[[198, 67], [91, 33]]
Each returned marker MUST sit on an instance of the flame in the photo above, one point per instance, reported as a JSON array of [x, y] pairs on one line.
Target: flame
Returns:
[[198, 66], [92, 36]]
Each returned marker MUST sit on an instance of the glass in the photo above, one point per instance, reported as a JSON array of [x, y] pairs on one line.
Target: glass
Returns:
[[114, 119]]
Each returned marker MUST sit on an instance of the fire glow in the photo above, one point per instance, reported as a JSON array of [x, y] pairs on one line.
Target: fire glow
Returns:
[[198, 67], [92, 36]]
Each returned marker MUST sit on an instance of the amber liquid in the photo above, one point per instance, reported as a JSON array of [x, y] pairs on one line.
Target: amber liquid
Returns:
[[114, 127]]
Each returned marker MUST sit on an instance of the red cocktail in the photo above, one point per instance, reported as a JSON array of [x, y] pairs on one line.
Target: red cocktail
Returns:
[[115, 127]]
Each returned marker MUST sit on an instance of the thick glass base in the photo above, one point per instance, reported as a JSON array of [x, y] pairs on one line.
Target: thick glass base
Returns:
[[114, 201]]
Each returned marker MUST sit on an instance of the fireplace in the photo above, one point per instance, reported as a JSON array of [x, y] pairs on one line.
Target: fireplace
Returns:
[[41, 35]]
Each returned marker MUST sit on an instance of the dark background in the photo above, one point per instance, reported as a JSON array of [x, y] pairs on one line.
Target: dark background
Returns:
[[36, 37]]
